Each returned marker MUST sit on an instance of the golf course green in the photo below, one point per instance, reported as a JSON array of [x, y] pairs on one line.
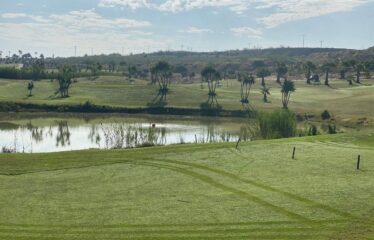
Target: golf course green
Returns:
[[210, 191], [346, 103]]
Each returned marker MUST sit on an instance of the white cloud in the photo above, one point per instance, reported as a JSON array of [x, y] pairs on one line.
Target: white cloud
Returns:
[[89, 19], [293, 10], [23, 15], [276, 11], [85, 28], [13, 15], [237, 6], [81, 20], [246, 32], [132, 4], [195, 30]]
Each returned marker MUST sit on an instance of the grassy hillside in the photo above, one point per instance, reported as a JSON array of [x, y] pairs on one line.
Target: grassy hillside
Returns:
[[193, 192], [226, 61], [227, 57], [347, 103]]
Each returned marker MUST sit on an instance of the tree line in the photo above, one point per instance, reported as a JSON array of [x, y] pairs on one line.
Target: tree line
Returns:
[[162, 73]]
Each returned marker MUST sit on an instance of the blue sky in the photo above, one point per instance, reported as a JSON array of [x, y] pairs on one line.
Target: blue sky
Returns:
[[133, 26]]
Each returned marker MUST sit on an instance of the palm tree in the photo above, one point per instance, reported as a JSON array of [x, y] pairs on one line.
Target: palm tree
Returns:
[[265, 91], [162, 74], [246, 81], [309, 67], [211, 76], [344, 68], [64, 78], [281, 71], [327, 67], [287, 88], [359, 67], [263, 73]]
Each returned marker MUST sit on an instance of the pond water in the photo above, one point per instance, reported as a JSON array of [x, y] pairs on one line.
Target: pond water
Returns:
[[31, 133]]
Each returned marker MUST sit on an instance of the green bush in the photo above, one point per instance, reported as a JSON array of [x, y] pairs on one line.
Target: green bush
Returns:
[[312, 131], [325, 115], [278, 124], [332, 129]]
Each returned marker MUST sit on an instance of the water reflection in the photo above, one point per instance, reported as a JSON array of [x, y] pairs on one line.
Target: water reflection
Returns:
[[36, 132], [62, 135]]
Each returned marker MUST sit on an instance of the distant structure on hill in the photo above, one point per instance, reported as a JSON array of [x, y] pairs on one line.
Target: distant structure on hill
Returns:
[[12, 65]]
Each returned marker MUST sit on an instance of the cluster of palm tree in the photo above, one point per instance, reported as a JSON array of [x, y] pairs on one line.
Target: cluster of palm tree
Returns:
[[161, 73], [211, 76], [287, 86], [65, 79], [246, 82], [354, 68], [27, 59]]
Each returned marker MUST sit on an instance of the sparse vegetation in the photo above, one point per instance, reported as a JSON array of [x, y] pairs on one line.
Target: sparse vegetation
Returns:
[[278, 124]]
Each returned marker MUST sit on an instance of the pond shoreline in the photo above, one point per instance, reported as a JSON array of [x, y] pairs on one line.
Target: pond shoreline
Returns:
[[92, 108], [50, 131]]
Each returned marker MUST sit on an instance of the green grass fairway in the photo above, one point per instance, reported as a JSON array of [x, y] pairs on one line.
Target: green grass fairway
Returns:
[[345, 102], [193, 191]]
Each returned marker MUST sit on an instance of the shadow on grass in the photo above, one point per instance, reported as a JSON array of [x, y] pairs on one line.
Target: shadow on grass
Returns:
[[211, 107], [159, 101]]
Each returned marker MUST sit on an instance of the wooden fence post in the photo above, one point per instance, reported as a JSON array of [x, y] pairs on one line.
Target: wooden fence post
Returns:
[[293, 152], [358, 162]]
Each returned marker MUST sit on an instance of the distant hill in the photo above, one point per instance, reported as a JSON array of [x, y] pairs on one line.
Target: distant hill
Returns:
[[288, 54], [233, 59]]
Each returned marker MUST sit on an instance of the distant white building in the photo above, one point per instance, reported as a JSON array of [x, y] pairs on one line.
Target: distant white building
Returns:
[[11, 65]]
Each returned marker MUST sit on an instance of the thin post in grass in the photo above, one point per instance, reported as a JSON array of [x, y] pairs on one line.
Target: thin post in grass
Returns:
[[237, 143], [358, 162], [293, 152]]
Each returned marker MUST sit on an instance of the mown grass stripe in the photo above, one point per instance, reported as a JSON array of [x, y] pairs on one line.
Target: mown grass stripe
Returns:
[[202, 225], [243, 194], [170, 236], [169, 232], [265, 187]]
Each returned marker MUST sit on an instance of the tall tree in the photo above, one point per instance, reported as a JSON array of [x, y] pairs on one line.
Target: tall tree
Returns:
[[64, 78], [309, 68], [211, 76], [288, 87], [327, 68], [281, 71], [359, 67], [263, 73], [162, 74], [246, 82], [344, 67]]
